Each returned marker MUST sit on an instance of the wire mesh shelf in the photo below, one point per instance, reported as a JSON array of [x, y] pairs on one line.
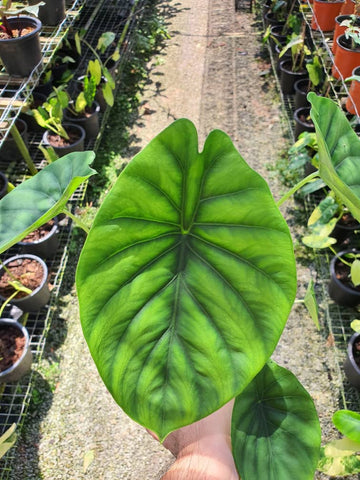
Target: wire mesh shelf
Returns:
[[121, 18]]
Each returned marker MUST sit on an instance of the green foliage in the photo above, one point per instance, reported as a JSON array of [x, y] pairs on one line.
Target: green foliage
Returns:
[[339, 152], [41, 197], [7, 439], [275, 429], [181, 247], [311, 304], [50, 114]]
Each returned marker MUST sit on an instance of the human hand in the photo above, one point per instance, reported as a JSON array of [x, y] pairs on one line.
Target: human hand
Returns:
[[203, 449]]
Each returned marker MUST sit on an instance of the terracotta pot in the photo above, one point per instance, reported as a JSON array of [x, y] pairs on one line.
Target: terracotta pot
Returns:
[[351, 367], [23, 364], [345, 59], [342, 293], [324, 14], [340, 29], [353, 101], [348, 7]]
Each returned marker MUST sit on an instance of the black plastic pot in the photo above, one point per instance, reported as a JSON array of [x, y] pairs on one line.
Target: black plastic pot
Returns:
[[288, 77], [341, 293], [344, 230], [277, 33], [52, 13], [40, 296], [3, 185], [301, 88], [271, 19], [351, 368], [20, 55], [77, 146], [302, 125], [90, 123], [285, 56], [9, 151], [46, 247], [23, 364]]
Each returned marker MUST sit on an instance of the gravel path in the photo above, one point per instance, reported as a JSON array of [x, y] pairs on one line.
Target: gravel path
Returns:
[[210, 72]]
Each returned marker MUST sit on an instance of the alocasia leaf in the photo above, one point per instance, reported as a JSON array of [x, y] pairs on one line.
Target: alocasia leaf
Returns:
[[340, 458], [275, 429], [339, 151], [42, 197], [186, 279]]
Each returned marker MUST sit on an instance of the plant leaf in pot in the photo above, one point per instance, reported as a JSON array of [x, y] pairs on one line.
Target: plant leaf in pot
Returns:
[[347, 56]]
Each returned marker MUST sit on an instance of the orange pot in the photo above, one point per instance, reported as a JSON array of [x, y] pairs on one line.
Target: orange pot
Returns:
[[353, 101], [345, 59], [324, 14], [348, 7]]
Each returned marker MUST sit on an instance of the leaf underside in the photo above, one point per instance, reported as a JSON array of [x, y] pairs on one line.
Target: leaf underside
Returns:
[[186, 279], [42, 197], [339, 151], [275, 429]]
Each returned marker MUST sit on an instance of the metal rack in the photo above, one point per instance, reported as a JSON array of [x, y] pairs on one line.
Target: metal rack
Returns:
[[96, 17]]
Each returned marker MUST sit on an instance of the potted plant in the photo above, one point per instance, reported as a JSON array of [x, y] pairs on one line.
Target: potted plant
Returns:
[[24, 282], [344, 278], [294, 69], [305, 85], [63, 137], [43, 241], [20, 49], [340, 27], [352, 362], [303, 121], [347, 56]]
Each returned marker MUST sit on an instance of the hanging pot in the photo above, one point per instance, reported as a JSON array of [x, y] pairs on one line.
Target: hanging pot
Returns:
[[31, 271], [90, 122], [43, 241], [346, 59], [340, 29], [20, 55], [353, 100], [324, 14], [15, 351], [52, 13], [3, 185], [303, 122], [340, 286], [352, 362], [62, 147], [288, 77], [9, 151]]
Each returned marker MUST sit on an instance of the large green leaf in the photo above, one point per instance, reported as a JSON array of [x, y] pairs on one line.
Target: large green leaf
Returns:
[[275, 429], [42, 197], [339, 151], [186, 279]]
